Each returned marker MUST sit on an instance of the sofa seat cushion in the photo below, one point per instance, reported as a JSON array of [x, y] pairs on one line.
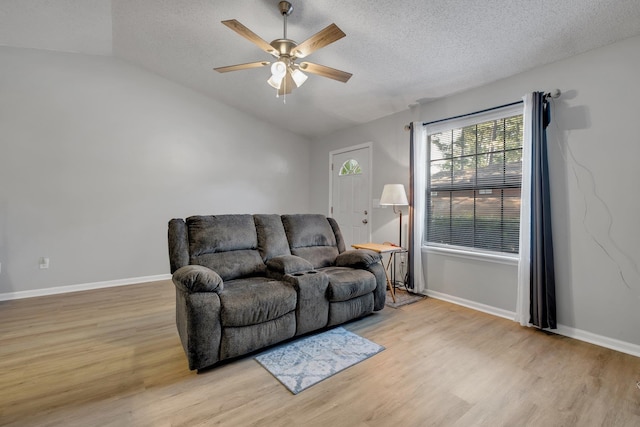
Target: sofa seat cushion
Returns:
[[347, 283], [255, 300]]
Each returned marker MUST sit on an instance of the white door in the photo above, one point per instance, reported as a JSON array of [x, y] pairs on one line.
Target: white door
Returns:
[[351, 193]]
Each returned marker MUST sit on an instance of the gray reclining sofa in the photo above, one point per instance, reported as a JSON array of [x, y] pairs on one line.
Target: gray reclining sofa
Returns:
[[244, 282]]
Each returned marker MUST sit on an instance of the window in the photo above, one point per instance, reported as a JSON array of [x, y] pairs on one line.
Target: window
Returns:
[[350, 167], [474, 174]]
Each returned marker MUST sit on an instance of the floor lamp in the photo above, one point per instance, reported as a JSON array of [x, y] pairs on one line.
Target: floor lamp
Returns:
[[394, 195]]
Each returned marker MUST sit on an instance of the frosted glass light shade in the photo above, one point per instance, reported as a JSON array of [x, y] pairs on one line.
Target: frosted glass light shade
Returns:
[[278, 71], [298, 77], [275, 82], [394, 194]]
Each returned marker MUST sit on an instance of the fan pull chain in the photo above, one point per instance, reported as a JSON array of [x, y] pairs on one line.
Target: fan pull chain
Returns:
[[284, 97]]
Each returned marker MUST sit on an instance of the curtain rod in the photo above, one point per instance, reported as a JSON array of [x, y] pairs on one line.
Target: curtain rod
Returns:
[[553, 94], [471, 114]]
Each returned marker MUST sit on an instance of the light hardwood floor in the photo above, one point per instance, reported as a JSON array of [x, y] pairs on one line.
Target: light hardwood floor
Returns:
[[112, 357]]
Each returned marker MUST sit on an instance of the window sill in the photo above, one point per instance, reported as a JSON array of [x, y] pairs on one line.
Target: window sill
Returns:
[[476, 256]]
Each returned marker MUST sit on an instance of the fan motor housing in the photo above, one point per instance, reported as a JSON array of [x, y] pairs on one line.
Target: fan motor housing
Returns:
[[284, 46]]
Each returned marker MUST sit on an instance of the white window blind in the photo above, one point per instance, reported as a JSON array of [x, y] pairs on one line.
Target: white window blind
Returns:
[[474, 174]]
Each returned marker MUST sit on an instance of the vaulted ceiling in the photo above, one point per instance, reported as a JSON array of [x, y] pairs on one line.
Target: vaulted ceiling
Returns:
[[400, 52]]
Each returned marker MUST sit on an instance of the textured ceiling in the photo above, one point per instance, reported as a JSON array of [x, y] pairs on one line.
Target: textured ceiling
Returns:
[[80, 26], [399, 52]]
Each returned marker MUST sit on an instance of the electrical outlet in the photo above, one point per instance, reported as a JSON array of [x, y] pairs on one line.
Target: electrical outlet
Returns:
[[44, 262]]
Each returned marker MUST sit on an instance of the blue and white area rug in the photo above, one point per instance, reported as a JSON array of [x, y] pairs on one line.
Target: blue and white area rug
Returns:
[[300, 364]]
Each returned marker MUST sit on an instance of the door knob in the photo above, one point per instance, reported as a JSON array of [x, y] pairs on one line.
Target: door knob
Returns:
[[364, 221]]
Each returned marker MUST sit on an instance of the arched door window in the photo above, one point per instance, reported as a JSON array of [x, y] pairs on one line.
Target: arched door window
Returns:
[[350, 167]]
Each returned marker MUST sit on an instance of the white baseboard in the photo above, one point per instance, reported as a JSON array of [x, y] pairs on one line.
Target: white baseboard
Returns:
[[567, 331], [472, 304], [81, 287], [602, 341]]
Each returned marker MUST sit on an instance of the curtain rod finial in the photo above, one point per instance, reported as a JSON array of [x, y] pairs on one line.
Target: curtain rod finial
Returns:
[[407, 128], [554, 94]]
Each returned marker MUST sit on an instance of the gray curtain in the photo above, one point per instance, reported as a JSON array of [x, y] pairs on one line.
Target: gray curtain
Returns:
[[412, 238], [543, 286]]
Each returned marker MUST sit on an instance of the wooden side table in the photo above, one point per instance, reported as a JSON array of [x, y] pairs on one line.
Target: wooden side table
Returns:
[[382, 249]]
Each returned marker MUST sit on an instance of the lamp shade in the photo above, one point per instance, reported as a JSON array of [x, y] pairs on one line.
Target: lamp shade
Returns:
[[394, 194]]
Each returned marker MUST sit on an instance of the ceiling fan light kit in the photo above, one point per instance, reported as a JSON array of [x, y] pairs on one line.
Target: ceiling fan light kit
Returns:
[[298, 77], [278, 71], [285, 72]]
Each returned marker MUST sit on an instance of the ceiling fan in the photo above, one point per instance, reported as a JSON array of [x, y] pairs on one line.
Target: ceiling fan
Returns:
[[285, 72]]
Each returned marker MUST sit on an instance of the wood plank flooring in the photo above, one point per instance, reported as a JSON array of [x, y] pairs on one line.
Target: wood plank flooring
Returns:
[[112, 357]]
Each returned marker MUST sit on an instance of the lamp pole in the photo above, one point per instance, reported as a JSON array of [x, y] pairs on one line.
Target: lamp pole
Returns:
[[400, 231]]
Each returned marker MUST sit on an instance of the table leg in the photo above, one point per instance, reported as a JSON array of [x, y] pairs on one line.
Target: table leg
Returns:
[[389, 284]]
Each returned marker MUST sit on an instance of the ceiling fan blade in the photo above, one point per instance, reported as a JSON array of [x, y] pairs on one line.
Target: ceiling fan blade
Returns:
[[287, 85], [324, 37], [321, 70], [242, 66], [250, 35]]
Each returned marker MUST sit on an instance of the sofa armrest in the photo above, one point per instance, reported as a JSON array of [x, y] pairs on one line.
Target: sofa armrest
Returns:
[[358, 258], [197, 278], [288, 264]]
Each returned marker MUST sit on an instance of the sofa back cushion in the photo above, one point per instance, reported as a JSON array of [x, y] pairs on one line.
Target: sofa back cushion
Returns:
[[311, 237], [227, 244], [272, 240], [178, 244]]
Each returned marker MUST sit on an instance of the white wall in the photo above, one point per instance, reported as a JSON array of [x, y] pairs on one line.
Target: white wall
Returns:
[[97, 155], [594, 145]]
